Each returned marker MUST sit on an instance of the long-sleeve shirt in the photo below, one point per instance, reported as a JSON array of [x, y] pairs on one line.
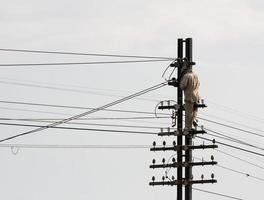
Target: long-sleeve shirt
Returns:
[[190, 85]]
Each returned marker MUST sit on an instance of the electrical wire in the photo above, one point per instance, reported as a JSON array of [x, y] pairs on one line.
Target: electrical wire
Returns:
[[236, 157], [235, 171], [92, 118], [78, 107], [78, 63], [155, 87], [218, 194], [231, 139], [231, 146], [76, 128], [68, 89], [232, 127], [56, 146], [83, 54], [90, 124]]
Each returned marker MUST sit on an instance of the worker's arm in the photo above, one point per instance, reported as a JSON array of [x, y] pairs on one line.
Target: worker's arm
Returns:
[[184, 82]]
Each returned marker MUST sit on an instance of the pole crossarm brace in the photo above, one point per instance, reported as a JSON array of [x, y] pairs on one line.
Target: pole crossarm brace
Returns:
[[183, 147], [184, 164], [183, 182]]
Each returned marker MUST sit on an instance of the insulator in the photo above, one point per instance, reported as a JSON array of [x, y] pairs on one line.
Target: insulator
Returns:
[[164, 143], [202, 176], [212, 157], [213, 141], [161, 103], [168, 102], [202, 101], [202, 127], [212, 175], [163, 178], [153, 161], [173, 160], [168, 129], [161, 130], [174, 143], [154, 143], [173, 178], [163, 160], [153, 178]]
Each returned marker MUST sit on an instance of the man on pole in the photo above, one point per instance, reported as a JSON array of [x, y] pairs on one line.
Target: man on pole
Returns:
[[189, 83]]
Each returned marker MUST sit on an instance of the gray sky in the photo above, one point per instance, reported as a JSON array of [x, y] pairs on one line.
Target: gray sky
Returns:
[[228, 49]]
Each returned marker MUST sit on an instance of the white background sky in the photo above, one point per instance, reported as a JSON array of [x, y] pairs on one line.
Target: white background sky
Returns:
[[228, 49]]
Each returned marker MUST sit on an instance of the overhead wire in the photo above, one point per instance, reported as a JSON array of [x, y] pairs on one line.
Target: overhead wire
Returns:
[[232, 127], [235, 171], [77, 63], [78, 107], [52, 87], [226, 137], [218, 194], [231, 146], [74, 128], [238, 158], [76, 146], [155, 87], [83, 54], [89, 124]]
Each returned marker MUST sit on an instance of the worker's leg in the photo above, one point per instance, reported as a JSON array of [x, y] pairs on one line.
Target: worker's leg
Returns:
[[189, 108]]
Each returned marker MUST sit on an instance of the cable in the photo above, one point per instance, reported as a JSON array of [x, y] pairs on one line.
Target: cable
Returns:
[[236, 171], [231, 139], [232, 127], [231, 146], [78, 107], [56, 146], [245, 161], [219, 194], [75, 128], [88, 112], [78, 63], [81, 54], [89, 124], [68, 89], [92, 118]]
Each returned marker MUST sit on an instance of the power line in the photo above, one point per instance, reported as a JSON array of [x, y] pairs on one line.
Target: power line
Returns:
[[78, 107], [155, 87], [52, 87], [74, 128], [232, 127], [218, 194], [236, 157], [231, 139], [236, 171], [89, 124], [231, 146], [83, 54], [92, 118], [78, 63], [57, 146]]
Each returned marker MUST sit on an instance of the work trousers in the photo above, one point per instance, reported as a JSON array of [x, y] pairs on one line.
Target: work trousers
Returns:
[[190, 114]]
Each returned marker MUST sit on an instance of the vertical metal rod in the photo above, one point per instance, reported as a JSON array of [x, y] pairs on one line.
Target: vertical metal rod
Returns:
[[179, 122], [188, 139]]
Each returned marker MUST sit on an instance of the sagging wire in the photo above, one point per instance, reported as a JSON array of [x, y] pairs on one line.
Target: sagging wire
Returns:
[[174, 63], [161, 103]]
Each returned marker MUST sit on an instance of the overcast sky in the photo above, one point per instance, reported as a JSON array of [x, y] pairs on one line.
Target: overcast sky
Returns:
[[228, 49]]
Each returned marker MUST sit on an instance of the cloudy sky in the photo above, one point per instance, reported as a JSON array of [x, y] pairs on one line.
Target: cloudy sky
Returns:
[[228, 49]]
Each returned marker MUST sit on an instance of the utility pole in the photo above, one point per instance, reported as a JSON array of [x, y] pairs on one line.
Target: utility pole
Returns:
[[182, 151]]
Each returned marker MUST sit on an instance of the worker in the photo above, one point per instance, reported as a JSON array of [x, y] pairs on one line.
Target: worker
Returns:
[[189, 83]]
